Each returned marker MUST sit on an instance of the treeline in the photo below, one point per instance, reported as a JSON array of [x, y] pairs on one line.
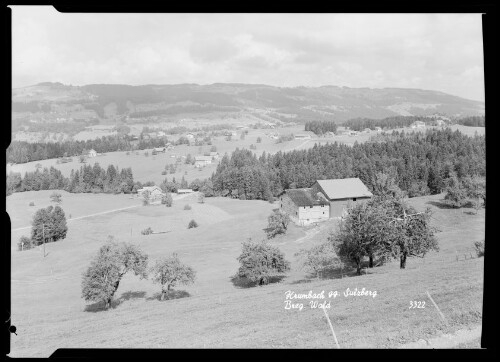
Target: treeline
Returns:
[[473, 121], [32, 107], [320, 127], [359, 124], [183, 109], [416, 163], [88, 179], [22, 151]]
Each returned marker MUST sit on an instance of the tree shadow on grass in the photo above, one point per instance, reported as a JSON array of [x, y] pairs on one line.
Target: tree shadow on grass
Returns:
[[100, 306], [243, 283], [172, 294], [440, 204]]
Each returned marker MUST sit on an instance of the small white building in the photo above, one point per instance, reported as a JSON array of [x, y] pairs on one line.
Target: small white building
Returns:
[[190, 136], [302, 137], [417, 124], [184, 191], [155, 194], [201, 161], [92, 153]]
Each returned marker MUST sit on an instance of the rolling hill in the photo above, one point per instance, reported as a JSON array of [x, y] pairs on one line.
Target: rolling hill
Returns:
[[51, 102]]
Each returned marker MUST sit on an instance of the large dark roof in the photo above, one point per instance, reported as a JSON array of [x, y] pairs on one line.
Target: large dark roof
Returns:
[[306, 197]]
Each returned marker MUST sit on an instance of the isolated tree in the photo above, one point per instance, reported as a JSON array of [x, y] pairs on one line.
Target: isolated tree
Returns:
[[167, 200], [259, 140], [82, 158], [192, 224], [475, 187], [113, 261], [366, 231], [213, 149], [145, 197], [201, 197], [277, 223], [456, 194], [410, 231], [56, 197], [319, 258], [48, 225], [170, 272], [260, 261]]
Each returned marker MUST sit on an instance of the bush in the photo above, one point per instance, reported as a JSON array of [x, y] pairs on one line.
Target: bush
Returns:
[[201, 198], [319, 258], [259, 140], [479, 246], [192, 224], [261, 261], [278, 224], [32, 203], [25, 243], [187, 207], [164, 172], [147, 231]]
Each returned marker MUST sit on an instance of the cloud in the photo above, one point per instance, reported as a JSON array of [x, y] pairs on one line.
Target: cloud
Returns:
[[430, 51]]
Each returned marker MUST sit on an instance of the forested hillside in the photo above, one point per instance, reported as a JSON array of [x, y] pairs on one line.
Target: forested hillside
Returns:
[[418, 164]]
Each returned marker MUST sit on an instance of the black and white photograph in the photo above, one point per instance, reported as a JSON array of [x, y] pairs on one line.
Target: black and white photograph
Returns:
[[246, 180]]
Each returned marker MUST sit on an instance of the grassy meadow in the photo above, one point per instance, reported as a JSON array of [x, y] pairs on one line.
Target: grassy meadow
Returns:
[[218, 311]]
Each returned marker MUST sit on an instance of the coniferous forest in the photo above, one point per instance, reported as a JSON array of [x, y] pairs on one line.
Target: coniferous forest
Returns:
[[419, 163]]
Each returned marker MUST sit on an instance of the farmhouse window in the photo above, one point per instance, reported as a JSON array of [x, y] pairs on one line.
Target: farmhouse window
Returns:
[[354, 199]]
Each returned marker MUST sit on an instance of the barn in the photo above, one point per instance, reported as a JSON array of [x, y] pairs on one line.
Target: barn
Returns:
[[342, 192], [304, 206]]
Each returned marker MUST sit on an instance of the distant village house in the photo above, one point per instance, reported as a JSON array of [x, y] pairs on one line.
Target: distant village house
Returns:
[[155, 194]]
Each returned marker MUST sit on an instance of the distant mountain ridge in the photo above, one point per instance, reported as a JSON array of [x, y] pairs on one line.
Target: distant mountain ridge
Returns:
[[297, 103]]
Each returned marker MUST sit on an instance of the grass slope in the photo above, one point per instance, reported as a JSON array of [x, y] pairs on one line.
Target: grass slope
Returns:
[[215, 312]]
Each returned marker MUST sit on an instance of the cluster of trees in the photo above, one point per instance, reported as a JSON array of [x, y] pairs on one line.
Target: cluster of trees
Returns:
[[285, 138], [473, 121], [378, 230], [418, 164], [383, 228], [102, 278], [176, 109], [22, 151], [48, 225], [359, 124], [470, 190], [88, 179], [320, 127]]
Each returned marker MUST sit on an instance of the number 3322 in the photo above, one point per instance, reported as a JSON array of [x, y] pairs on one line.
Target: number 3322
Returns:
[[417, 304]]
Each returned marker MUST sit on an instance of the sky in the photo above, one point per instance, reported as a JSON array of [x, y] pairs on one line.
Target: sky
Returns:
[[442, 52]]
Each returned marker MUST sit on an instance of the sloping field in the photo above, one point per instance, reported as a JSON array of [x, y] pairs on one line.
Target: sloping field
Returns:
[[215, 312]]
